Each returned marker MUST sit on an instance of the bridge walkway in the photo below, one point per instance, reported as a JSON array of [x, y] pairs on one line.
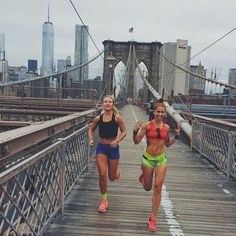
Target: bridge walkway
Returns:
[[197, 198]]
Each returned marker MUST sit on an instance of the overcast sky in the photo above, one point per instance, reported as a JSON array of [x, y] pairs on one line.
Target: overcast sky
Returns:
[[201, 22]]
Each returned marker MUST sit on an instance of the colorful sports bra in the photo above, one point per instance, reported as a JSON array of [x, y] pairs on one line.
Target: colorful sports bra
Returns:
[[154, 133]]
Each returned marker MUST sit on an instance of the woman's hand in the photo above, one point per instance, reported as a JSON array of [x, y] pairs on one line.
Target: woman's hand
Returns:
[[91, 142], [114, 143], [137, 126], [177, 131]]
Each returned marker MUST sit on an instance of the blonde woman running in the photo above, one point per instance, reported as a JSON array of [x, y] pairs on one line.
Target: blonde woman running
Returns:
[[107, 152]]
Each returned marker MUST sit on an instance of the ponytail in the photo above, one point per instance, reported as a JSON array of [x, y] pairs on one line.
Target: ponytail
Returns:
[[115, 110]]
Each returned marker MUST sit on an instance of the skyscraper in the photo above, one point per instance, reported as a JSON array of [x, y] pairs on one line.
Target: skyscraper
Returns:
[[232, 79], [197, 85], [173, 79], [3, 71], [2, 46], [61, 65], [32, 65], [81, 52], [47, 48]]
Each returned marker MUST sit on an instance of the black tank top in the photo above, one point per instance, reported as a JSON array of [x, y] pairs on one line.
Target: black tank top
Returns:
[[107, 129]]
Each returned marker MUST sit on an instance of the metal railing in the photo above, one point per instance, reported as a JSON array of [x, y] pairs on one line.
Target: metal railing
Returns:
[[217, 145], [33, 191]]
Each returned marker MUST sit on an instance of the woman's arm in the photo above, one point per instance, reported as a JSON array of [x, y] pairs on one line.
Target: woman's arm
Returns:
[[123, 130], [169, 141], [92, 127], [140, 129]]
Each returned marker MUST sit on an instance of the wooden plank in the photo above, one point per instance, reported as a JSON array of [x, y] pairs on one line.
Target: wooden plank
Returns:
[[11, 123], [197, 199]]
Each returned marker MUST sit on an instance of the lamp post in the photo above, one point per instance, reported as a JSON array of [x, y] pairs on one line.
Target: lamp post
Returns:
[[110, 60]]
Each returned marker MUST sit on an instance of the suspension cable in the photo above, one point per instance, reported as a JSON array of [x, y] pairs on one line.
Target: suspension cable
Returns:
[[127, 71], [184, 125], [197, 75], [172, 100], [85, 27], [124, 80], [186, 107], [109, 84], [201, 51], [210, 45], [56, 74]]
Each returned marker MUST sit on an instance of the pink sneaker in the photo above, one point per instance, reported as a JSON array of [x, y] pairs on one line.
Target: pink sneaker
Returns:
[[152, 224], [103, 206]]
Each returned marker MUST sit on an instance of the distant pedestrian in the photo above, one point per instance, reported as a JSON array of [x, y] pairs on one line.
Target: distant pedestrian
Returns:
[[107, 151], [154, 160], [151, 110]]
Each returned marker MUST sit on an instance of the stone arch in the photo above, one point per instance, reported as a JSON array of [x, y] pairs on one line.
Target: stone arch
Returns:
[[119, 72], [119, 51]]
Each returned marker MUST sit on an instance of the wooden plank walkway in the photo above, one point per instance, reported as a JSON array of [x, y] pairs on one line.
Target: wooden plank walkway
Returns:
[[197, 199]]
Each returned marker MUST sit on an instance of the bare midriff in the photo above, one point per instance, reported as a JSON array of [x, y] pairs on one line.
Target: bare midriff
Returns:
[[156, 148], [106, 140]]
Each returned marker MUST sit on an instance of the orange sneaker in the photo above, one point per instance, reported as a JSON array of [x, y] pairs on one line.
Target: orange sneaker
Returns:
[[152, 224], [102, 208]]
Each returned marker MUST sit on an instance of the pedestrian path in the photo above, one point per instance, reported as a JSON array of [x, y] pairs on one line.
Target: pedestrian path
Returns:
[[197, 199]]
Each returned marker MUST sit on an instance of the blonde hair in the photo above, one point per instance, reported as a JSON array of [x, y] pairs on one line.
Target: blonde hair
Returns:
[[114, 108]]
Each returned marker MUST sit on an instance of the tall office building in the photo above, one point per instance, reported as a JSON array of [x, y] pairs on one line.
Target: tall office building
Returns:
[[2, 46], [61, 65], [232, 79], [197, 85], [32, 66], [81, 52], [3, 71], [13, 73], [3, 62], [68, 62], [173, 80], [22, 72], [47, 48]]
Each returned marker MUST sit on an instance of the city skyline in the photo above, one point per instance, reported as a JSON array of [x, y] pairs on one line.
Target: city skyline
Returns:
[[199, 22]]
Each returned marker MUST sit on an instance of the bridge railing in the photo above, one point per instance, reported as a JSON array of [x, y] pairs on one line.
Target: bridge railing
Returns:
[[217, 145], [33, 191]]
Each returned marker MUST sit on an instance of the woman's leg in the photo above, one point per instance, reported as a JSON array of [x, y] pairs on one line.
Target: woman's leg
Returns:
[[113, 170], [102, 172], [160, 173], [147, 173]]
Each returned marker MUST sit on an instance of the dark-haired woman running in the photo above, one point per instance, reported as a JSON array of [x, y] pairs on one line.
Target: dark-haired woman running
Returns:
[[154, 161]]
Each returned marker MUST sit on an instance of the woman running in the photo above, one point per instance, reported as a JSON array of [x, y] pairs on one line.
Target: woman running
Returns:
[[154, 161], [107, 152]]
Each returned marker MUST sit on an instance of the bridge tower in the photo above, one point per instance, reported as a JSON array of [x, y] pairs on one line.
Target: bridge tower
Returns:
[[119, 51]]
